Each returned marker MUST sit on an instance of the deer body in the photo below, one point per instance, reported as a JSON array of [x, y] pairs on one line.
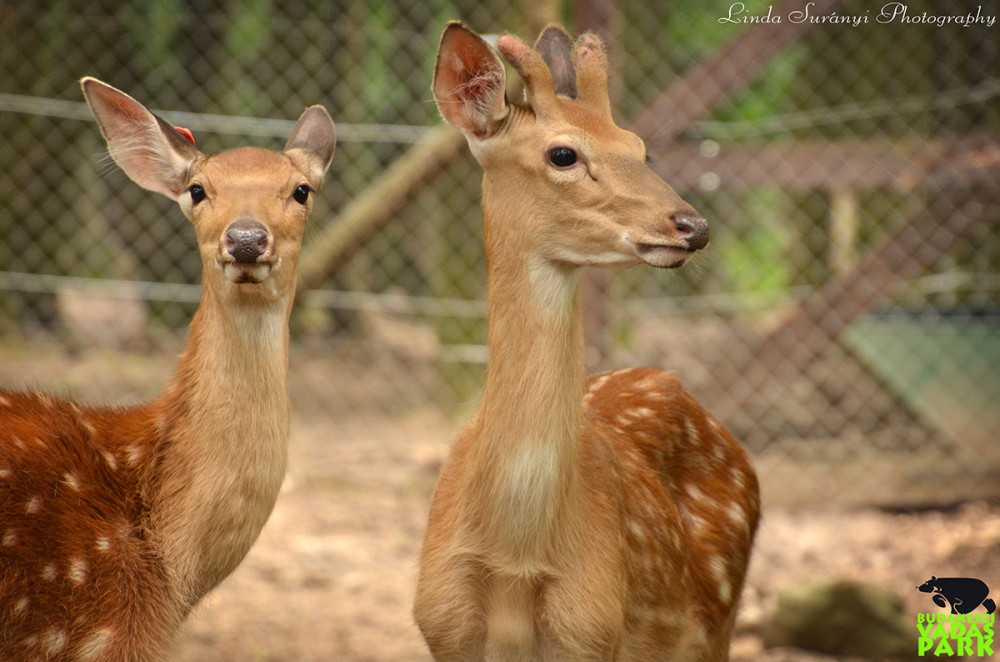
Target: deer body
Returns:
[[115, 522], [601, 519]]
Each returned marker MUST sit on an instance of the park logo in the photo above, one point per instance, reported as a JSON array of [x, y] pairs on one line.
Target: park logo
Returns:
[[961, 632]]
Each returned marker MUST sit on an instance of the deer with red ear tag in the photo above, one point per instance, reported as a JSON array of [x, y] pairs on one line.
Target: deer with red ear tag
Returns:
[[608, 518], [115, 522]]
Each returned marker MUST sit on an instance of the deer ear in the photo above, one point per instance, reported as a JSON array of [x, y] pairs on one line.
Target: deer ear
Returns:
[[469, 82], [314, 140], [152, 153]]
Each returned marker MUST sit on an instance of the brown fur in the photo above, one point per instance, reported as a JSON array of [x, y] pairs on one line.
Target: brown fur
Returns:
[[609, 519], [114, 523]]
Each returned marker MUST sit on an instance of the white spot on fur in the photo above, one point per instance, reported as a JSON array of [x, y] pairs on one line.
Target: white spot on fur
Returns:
[[641, 412], [133, 454], [737, 475], [4, 402], [54, 641], [72, 482], [5, 473], [696, 494], [637, 529], [598, 383], [19, 443], [77, 571], [102, 544], [21, 606], [110, 459], [696, 521], [49, 572], [9, 538], [649, 384], [737, 515], [691, 431], [721, 574], [94, 645], [33, 506]]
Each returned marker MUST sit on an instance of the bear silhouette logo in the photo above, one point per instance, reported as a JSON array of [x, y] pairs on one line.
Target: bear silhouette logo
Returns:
[[962, 594]]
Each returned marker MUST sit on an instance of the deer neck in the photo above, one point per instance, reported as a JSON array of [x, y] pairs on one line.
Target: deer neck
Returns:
[[529, 424], [226, 419]]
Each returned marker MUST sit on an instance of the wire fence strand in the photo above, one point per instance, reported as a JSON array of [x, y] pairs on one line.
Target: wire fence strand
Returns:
[[847, 305]]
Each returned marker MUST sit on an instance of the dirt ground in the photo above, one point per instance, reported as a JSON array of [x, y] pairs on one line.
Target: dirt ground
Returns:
[[332, 576]]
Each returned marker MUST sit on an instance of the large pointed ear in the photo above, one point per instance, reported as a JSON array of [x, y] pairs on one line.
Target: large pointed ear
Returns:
[[469, 82], [313, 142], [152, 153]]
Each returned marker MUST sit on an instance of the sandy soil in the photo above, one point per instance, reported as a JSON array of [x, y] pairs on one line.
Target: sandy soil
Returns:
[[333, 573], [332, 576]]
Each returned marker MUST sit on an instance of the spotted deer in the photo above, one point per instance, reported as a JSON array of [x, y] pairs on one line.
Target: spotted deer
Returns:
[[115, 522], [575, 519]]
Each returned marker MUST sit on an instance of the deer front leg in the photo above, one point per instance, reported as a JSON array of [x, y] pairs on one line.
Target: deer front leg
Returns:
[[448, 609]]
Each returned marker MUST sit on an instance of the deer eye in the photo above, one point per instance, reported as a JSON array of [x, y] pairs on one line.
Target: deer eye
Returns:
[[301, 194], [562, 157], [197, 193]]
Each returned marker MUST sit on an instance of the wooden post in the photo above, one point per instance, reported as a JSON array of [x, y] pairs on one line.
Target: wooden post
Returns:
[[843, 254]]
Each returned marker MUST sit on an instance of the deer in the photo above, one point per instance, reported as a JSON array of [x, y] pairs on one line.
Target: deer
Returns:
[[115, 521], [609, 518]]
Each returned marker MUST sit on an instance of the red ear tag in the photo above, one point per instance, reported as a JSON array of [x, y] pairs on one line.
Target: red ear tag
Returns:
[[187, 133]]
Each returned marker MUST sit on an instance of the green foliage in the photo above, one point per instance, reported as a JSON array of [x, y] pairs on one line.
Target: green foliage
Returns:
[[154, 25], [755, 261], [246, 45], [765, 97]]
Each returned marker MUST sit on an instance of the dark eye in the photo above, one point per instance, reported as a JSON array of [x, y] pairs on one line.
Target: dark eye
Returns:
[[197, 193], [562, 157], [301, 194]]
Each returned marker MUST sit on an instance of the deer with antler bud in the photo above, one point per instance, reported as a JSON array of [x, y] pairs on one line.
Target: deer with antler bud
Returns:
[[115, 522], [575, 519]]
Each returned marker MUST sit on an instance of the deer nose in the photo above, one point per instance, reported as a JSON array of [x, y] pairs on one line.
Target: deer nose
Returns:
[[692, 229], [246, 241]]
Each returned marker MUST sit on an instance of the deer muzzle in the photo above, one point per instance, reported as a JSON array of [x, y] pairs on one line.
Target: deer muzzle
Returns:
[[246, 251]]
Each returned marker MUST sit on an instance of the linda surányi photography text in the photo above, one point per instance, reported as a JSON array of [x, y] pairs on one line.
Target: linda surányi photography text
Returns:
[[889, 13]]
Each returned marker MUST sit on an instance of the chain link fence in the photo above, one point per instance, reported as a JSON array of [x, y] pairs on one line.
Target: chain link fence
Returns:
[[844, 323]]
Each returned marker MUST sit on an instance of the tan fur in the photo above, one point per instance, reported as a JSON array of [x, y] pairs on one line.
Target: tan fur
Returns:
[[609, 519], [116, 522]]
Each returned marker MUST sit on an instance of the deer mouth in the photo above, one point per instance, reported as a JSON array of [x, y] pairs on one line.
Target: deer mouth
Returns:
[[662, 256], [242, 273]]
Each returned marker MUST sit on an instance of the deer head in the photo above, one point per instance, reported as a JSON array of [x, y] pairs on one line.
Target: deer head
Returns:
[[248, 205], [560, 172]]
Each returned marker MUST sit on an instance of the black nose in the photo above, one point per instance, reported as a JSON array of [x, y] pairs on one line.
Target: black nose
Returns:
[[691, 228], [246, 241]]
